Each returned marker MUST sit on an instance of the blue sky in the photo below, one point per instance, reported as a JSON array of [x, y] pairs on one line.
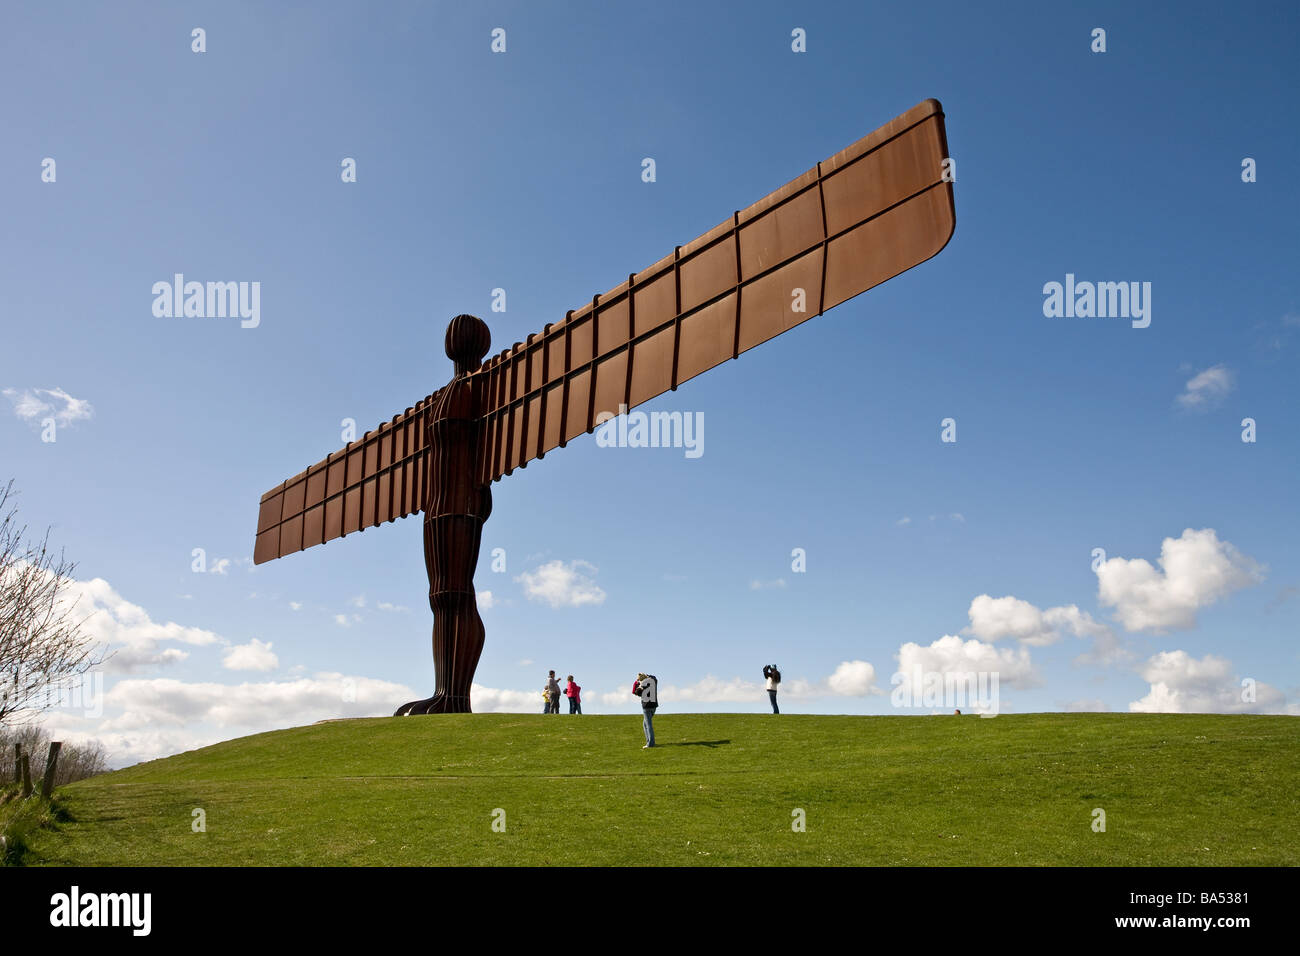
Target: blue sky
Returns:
[[522, 170]]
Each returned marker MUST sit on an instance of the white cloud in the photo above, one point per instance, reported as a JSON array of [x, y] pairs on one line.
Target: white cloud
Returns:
[[128, 747], [34, 405], [347, 620], [621, 700], [850, 679], [160, 704], [526, 662], [485, 600], [394, 608], [1107, 650], [562, 585], [903, 521], [219, 566], [1087, 705], [1197, 570], [122, 662], [358, 601], [776, 584], [126, 630], [295, 606], [853, 679], [1206, 389], [253, 656], [711, 688], [956, 516], [992, 619], [1181, 684], [951, 655], [801, 688], [490, 700]]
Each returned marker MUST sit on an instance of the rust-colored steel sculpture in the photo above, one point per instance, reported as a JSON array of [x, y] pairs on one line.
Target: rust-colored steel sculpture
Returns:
[[870, 212]]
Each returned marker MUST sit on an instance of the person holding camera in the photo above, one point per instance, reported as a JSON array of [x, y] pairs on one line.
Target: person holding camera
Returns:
[[646, 687], [773, 678]]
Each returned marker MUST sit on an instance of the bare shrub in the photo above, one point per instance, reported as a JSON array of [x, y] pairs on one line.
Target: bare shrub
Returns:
[[43, 645]]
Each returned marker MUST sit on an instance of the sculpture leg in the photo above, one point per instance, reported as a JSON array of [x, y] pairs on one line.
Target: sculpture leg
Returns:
[[451, 545]]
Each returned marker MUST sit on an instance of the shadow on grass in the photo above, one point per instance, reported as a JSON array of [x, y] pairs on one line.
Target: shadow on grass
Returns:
[[696, 743]]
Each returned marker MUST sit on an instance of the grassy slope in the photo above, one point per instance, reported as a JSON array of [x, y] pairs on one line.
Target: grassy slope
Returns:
[[1018, 789]]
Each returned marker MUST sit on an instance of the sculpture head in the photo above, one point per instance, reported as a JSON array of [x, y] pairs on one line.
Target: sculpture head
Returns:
[[468, 340]]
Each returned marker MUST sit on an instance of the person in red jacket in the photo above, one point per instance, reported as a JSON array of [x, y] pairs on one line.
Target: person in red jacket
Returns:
[[572, 691]]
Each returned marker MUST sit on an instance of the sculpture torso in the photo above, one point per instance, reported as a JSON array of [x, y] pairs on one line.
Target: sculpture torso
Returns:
[[454, 434]]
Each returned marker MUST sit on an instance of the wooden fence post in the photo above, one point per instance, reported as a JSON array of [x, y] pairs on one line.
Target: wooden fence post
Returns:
[[52, 761], [27, 778]]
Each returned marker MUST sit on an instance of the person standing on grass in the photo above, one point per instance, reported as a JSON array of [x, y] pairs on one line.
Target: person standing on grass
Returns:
[[572, 691], [553, 693], [646, 687], [773, 677]]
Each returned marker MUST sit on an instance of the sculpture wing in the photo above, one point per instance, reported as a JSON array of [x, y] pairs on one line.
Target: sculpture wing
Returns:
[[379, 477], [868, 213]]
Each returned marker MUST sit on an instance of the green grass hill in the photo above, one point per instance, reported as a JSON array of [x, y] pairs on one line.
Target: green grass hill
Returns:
[[721, 789]]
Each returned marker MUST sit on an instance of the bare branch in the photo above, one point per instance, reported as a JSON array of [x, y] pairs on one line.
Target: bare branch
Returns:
[[43, 643]]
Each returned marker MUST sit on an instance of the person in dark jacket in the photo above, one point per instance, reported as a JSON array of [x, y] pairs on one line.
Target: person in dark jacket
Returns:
[[646, 687]]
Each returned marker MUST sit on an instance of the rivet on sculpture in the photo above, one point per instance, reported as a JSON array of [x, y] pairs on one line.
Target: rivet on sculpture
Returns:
[[870, 212]]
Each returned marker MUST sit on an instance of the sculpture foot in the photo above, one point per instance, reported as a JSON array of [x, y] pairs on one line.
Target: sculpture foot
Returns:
[[437, 704], [416, 707]]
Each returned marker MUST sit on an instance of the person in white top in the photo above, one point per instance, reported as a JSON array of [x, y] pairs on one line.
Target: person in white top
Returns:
[[773, 677]]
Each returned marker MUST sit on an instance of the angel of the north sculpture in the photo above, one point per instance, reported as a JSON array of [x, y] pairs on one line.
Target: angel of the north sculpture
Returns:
[[871, 211]]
